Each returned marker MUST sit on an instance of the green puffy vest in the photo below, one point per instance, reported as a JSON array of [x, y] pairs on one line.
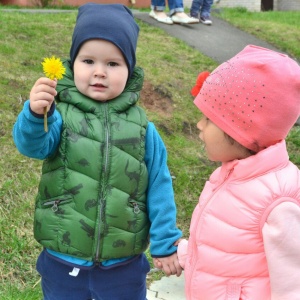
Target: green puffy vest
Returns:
[[91, 202]]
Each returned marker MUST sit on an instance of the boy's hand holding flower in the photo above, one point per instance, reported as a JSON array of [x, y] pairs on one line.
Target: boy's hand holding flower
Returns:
[[43, 92], [42, 95]]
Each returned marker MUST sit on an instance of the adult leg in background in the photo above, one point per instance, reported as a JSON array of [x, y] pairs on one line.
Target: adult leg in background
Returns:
[[195, 8], [158, 12], [206, 7], [178, 15], [205, 12]]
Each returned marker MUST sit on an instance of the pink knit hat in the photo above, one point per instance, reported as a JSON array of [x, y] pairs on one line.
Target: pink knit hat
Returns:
[[254, 97]]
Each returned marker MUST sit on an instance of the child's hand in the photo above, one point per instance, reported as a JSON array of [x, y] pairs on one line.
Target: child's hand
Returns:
[[42, 94], [169, 265]]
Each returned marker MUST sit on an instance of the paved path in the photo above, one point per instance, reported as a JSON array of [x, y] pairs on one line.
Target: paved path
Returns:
[[168, 288], [221, 41]]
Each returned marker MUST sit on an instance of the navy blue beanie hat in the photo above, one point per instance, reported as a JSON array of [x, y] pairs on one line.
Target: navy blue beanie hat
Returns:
[[111, 22]]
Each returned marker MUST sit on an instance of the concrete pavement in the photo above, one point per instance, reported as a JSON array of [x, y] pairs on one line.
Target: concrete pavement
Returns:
[[168, 288]]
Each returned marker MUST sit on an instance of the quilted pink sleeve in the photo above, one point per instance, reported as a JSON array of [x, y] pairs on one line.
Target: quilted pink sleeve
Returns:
[[182, 252], [281, 234]]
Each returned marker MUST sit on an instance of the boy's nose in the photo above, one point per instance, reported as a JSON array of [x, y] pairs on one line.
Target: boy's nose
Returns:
[[100, 71]]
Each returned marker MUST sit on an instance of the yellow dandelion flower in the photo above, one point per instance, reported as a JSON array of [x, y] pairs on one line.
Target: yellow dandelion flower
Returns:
[[53, 68]]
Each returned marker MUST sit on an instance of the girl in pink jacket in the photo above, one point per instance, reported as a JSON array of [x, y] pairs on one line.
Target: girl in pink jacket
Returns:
[[245, 231]]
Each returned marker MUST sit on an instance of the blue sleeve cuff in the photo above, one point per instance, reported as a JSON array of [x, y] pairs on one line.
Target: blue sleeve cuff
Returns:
[[49, 113], [29, 136]]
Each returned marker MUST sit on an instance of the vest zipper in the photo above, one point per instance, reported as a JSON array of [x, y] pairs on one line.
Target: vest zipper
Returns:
[[137, 207], [102, 195], [55, 203], [193, 264]]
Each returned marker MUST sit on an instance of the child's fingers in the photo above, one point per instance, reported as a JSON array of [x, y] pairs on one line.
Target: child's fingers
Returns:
[[43, 88], [157, 263], [46, 81]]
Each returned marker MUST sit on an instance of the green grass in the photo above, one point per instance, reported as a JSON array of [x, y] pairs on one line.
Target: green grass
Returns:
[[279, 28], [25, 39]]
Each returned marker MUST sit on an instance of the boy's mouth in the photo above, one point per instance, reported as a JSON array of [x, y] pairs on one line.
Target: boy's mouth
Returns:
[[98, 85]]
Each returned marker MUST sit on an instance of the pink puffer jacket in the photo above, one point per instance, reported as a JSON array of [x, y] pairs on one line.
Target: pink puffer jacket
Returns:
[[224, 258]]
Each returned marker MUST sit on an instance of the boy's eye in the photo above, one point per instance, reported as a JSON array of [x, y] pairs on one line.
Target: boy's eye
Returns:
[[112, 64], [88, 61]]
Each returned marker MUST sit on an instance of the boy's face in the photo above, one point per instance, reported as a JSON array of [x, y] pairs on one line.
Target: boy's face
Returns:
[[100, 70]]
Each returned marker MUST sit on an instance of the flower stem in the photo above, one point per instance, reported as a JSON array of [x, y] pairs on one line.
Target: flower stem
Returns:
[[45, 119]]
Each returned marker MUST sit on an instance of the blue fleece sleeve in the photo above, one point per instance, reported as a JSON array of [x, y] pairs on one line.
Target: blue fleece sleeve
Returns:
[[160, 197], [30, 137]]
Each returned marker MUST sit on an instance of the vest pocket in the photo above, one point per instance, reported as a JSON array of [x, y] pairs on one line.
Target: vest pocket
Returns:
[[56, 202], [233, 291]]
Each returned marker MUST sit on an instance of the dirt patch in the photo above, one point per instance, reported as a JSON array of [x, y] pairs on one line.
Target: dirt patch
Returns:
[[157, 98]]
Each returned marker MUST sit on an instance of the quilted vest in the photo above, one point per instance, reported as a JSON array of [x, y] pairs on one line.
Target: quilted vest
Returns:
[[226, 257], [91, 201]]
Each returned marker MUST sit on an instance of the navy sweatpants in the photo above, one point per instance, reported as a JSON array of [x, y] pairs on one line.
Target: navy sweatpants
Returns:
[[125, 282]]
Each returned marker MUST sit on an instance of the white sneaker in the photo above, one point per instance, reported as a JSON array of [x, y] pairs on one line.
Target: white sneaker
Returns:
[[166, 20], [206, 20], [185, 20]]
